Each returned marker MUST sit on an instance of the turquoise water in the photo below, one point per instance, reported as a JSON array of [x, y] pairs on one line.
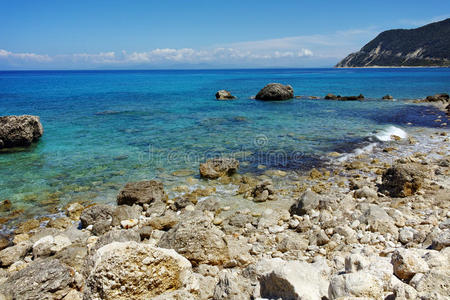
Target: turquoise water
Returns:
[[104, 128]]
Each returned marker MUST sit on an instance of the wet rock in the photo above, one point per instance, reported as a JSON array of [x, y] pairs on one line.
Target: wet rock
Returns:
[[224, 95], [387, 97], [357, 284], [343, 98], [41, 279], [135, 271], [275, 91], [19, 131], [141, 192], [402, 180], [74, 210], [218, 167], [125, 212], [309, 200], [294, 280], [437, 98], [10, 255], [263, 191], [99, 213], [407, 263], [197, 239], [50, 245], [27, 226]]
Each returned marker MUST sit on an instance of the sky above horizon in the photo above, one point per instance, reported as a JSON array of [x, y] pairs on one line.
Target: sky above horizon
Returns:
[[150, 34]]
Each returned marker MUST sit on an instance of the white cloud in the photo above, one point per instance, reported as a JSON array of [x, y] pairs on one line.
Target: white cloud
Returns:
[[421, 22], [307, 50], [24, 56]]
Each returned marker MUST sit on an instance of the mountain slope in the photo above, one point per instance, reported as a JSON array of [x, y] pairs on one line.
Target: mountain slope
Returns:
[[428, 45]]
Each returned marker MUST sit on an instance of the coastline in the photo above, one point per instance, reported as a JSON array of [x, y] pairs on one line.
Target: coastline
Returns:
[[335, 233]]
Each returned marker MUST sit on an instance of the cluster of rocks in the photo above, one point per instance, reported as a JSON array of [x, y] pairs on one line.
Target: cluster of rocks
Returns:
[[19, 131], [343, 98], [364, 230], [442, 101]]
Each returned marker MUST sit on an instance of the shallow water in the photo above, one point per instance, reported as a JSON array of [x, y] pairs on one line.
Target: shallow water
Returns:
[[105, 128]]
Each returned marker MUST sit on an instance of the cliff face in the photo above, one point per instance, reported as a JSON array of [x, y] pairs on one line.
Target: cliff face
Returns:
[[428, 45]]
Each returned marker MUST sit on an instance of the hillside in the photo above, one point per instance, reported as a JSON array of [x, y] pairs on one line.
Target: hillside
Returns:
[[428, 45]]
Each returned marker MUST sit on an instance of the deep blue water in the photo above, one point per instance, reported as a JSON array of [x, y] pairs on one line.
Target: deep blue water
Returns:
[[104, 128]]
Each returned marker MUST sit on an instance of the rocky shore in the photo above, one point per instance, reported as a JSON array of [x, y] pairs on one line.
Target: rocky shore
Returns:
[[371, 226]]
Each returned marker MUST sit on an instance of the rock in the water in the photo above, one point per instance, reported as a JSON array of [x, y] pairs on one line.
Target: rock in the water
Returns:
[[141, 192], [41, 279], [343, 98], [387, 97], [224, 95], [438, 98], [402, 180], [135, 271], [218, 167], [19, 131], [275, 91], [197, 239], [295, 280], [309, 200]]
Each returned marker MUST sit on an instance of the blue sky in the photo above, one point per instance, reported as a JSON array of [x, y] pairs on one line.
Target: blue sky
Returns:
[[62, 34]]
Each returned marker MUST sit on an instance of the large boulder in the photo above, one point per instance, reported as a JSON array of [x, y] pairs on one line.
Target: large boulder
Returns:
[[294, 279], [224, 95], [275, 91], [218, 167], [141, 192], [10, 255], [41, 279], [19, 131], [133, 270], [402, 180], [357, 285], [197, 239]]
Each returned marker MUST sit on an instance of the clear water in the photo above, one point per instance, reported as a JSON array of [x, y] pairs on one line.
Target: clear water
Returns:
[[105, 128]]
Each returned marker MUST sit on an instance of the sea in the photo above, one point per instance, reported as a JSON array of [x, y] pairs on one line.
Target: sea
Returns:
[[103, 129]]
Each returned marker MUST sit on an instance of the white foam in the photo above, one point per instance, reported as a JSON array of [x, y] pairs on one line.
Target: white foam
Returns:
[[386, 134]]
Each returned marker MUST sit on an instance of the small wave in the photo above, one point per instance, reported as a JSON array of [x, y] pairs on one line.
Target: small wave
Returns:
[[386, 134]]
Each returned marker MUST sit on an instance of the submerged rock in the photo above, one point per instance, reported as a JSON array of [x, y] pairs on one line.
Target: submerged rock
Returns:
[[19, 131], [141, 192], [224, 95], [218, 167], [275, 91], [343, 98], [135, 271]]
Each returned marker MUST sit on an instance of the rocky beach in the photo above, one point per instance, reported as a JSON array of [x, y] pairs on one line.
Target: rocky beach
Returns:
[[373, 223]]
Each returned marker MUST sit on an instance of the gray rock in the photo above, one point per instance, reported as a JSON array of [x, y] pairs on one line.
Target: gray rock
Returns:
[[41, 279], [442, 240], [366, 192], [73, 256], [434, 284], [19, 131], [230, 287], [358, 284], [10, 255], [309, 200], [275, 91], [99, 213], [50, 245], [218, 167], [378, 220], [197, 239], [125, 212], [224, 95], [141, 192], [117, 235]]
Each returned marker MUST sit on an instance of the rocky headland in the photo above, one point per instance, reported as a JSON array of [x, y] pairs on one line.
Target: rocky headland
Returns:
[[365, 225]]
